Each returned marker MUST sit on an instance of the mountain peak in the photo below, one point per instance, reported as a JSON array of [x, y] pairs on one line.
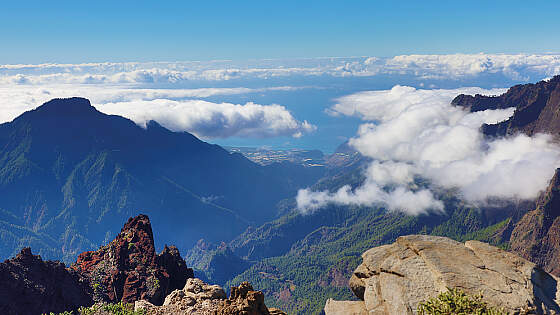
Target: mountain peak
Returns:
[[73, 105]]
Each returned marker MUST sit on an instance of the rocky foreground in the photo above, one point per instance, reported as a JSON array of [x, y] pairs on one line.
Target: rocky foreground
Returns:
[[395, 278], [125, 270], [201, 298]]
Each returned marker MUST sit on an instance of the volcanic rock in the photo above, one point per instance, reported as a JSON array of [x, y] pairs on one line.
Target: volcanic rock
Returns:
[[536, 236], [128, 269], [395, 278], [537, 108], [29, 285]]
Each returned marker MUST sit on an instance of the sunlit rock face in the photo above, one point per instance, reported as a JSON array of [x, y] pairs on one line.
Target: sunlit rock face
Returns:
[[395, 278]]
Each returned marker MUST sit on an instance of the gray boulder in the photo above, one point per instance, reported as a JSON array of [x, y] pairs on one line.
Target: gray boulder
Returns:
[[393, 279]]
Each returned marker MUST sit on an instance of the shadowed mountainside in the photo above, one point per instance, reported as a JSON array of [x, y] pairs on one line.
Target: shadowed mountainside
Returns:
[[537, 235], [69, 174]]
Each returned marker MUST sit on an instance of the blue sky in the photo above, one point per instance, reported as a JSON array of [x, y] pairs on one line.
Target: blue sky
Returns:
[[260, 81], [84, 31]]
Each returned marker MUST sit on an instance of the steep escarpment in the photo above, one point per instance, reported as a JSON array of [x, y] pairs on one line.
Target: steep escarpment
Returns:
[[29, 285], [537, 108], [395, 278], [128, 268], [537, 235]]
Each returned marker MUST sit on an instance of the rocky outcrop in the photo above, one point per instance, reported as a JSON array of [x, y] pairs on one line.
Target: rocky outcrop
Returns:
[[198, 297], [29, 285], [537, 108], [128, 269], [536, 236], [393, 279]]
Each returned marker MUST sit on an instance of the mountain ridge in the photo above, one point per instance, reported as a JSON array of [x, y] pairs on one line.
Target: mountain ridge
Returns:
[[68, 170], [537, 108]]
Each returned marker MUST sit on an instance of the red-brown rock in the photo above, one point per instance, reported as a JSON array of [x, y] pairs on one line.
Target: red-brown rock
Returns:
[[29, 285], [128, 269]]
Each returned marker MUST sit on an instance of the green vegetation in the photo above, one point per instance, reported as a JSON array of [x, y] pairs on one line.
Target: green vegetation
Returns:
[[455, 301], [106, 309], [318, 265], [112, 309], [153, 283]]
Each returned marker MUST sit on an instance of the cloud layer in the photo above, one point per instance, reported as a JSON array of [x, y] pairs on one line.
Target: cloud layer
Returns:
[[417, 133], [164, 90], [518, 67]]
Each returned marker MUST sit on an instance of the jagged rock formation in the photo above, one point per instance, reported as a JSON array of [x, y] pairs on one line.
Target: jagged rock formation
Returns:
[[128, 269], [29, 285], [537, 108], [198, 297], [393, 279], [537, 235]]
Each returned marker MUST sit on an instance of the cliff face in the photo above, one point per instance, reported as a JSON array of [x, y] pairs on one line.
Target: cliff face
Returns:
[[29, 285], [537, 108], [537, 235], [128, 269], [395, 278]]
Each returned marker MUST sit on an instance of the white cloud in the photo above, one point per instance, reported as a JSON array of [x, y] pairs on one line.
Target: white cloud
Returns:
[[213, 120], [517, 67], [418, 133]]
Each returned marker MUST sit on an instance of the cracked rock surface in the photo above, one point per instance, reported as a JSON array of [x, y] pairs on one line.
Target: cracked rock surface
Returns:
[[393, 279]]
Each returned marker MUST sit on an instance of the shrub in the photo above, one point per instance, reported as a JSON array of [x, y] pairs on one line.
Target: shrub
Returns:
[[113, 309], [455, 301]]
